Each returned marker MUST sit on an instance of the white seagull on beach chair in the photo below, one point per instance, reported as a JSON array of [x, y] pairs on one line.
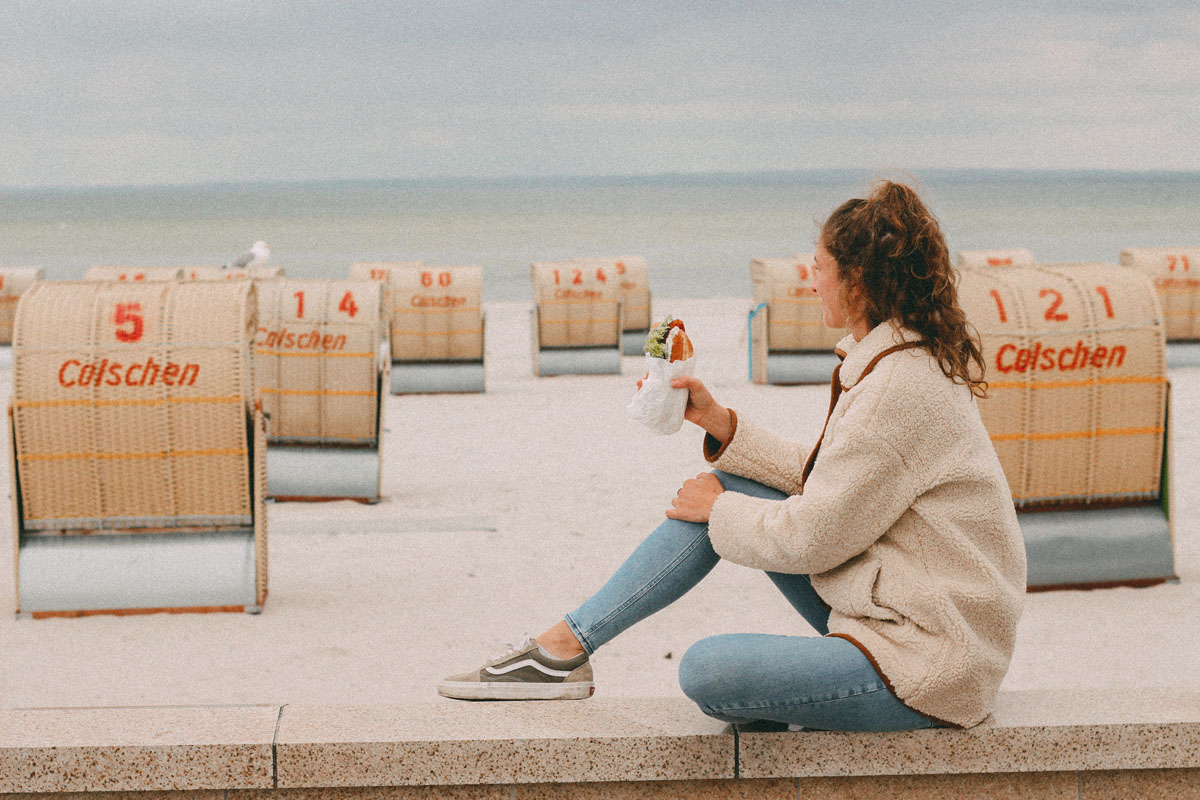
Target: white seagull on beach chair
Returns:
[[256, 256]]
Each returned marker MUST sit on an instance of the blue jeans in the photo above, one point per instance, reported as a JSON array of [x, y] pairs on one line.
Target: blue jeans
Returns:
[[811, 681]]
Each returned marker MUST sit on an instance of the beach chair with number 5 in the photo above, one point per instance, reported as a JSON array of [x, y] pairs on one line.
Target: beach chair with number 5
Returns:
[[138, 473]]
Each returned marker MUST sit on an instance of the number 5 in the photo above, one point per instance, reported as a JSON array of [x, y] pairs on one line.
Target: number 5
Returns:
[[130, 313]]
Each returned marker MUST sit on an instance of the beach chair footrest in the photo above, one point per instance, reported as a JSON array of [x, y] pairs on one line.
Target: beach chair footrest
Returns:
[[126, 571], [300, 472], [1098, 547], [798, 368], [437, 377], [1183, 354], [579, 361]]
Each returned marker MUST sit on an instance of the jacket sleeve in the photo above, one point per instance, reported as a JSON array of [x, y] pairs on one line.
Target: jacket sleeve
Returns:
[[754, 452], [857, 490]]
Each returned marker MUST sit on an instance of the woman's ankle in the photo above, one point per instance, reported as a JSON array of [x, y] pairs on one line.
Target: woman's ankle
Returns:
[[560, 641]]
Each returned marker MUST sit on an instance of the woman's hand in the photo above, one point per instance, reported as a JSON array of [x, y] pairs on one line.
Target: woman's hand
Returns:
[[703, 410], [694, 502]]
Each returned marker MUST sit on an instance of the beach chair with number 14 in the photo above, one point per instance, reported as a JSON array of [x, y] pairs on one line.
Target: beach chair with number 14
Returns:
[[322, 372]]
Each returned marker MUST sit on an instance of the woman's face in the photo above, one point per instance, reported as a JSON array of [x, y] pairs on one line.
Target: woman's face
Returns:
[[828, 287]]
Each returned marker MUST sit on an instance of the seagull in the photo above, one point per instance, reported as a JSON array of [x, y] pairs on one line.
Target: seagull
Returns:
[[256, 256]]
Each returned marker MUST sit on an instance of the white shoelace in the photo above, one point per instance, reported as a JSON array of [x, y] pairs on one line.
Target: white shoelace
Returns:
[[511, 648]]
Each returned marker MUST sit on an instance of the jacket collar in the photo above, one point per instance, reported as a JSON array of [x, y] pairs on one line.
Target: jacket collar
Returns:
[[856, 355]]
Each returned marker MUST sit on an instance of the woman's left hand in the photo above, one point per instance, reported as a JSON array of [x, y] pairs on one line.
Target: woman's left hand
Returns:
[[694, 502]]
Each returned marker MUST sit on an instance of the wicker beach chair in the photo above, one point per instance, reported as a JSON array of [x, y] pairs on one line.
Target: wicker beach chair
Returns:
[[137, 449], [436, 324], [576, 319], [632, 275], [1077, 410], [789, 342], [321, 369]]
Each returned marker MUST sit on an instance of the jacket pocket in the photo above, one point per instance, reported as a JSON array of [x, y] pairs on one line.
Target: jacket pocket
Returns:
[[851, 589]]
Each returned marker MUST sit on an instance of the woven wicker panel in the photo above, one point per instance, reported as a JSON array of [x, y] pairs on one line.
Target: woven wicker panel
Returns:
[[130, 404], [436, 312], [632, 275], [123, 274], [1075, 357], [216, 273], [381, 271], [575, 308], [13, 282], [968, 259], [795, 321], [317, 359], [1176, 275]]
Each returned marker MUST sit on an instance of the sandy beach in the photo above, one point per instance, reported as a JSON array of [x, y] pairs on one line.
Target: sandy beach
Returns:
[[503, 510]]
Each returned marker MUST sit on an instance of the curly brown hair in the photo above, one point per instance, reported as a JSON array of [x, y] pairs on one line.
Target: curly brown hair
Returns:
[[890, 247]]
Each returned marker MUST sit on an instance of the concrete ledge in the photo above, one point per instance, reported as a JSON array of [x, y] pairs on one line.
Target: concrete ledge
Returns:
[[135, 749], [1069, 744], [1028, 732], [526, 742]]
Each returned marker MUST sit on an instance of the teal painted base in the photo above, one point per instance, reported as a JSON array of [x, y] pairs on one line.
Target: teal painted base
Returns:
[[437, 377], [1181, 355], [799, 368], [578, 361], [298, 472], [1106, 546], [104, 572]]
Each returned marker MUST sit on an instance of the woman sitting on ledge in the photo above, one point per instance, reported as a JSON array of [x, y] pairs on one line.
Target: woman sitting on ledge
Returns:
[[895, 538]]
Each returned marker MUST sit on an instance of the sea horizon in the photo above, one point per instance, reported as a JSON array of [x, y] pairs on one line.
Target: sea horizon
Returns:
[[698, 231], [703, 177]]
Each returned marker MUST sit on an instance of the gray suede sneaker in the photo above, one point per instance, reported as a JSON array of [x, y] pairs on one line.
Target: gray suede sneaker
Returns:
[[523, 672]]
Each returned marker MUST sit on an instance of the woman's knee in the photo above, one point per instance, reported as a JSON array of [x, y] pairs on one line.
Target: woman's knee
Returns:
[[702, 670]]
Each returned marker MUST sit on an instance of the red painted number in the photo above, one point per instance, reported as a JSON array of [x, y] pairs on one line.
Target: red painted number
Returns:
[[1052, 313], [600, 276], [443, 279], [802, 271], [379, 274], [1181, 261], [129, 314], [999, 304], [555, 277], [1108, 309], [427, 279], [620, 267], [577, 277], [299, 304], [347, 305]]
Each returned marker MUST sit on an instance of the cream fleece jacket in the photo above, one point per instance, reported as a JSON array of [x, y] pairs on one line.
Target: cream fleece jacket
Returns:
[[906, 525]]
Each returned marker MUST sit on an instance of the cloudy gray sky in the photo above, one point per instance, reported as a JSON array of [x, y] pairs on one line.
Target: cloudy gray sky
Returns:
[[145, 92]]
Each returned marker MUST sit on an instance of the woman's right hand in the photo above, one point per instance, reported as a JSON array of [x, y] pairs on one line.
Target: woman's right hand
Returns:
[[703, 410]]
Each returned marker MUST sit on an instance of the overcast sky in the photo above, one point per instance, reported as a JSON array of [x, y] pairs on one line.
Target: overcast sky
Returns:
[[129, 92]]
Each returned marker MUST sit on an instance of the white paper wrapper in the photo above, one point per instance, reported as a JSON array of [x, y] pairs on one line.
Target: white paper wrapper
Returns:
[[658, 405]]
